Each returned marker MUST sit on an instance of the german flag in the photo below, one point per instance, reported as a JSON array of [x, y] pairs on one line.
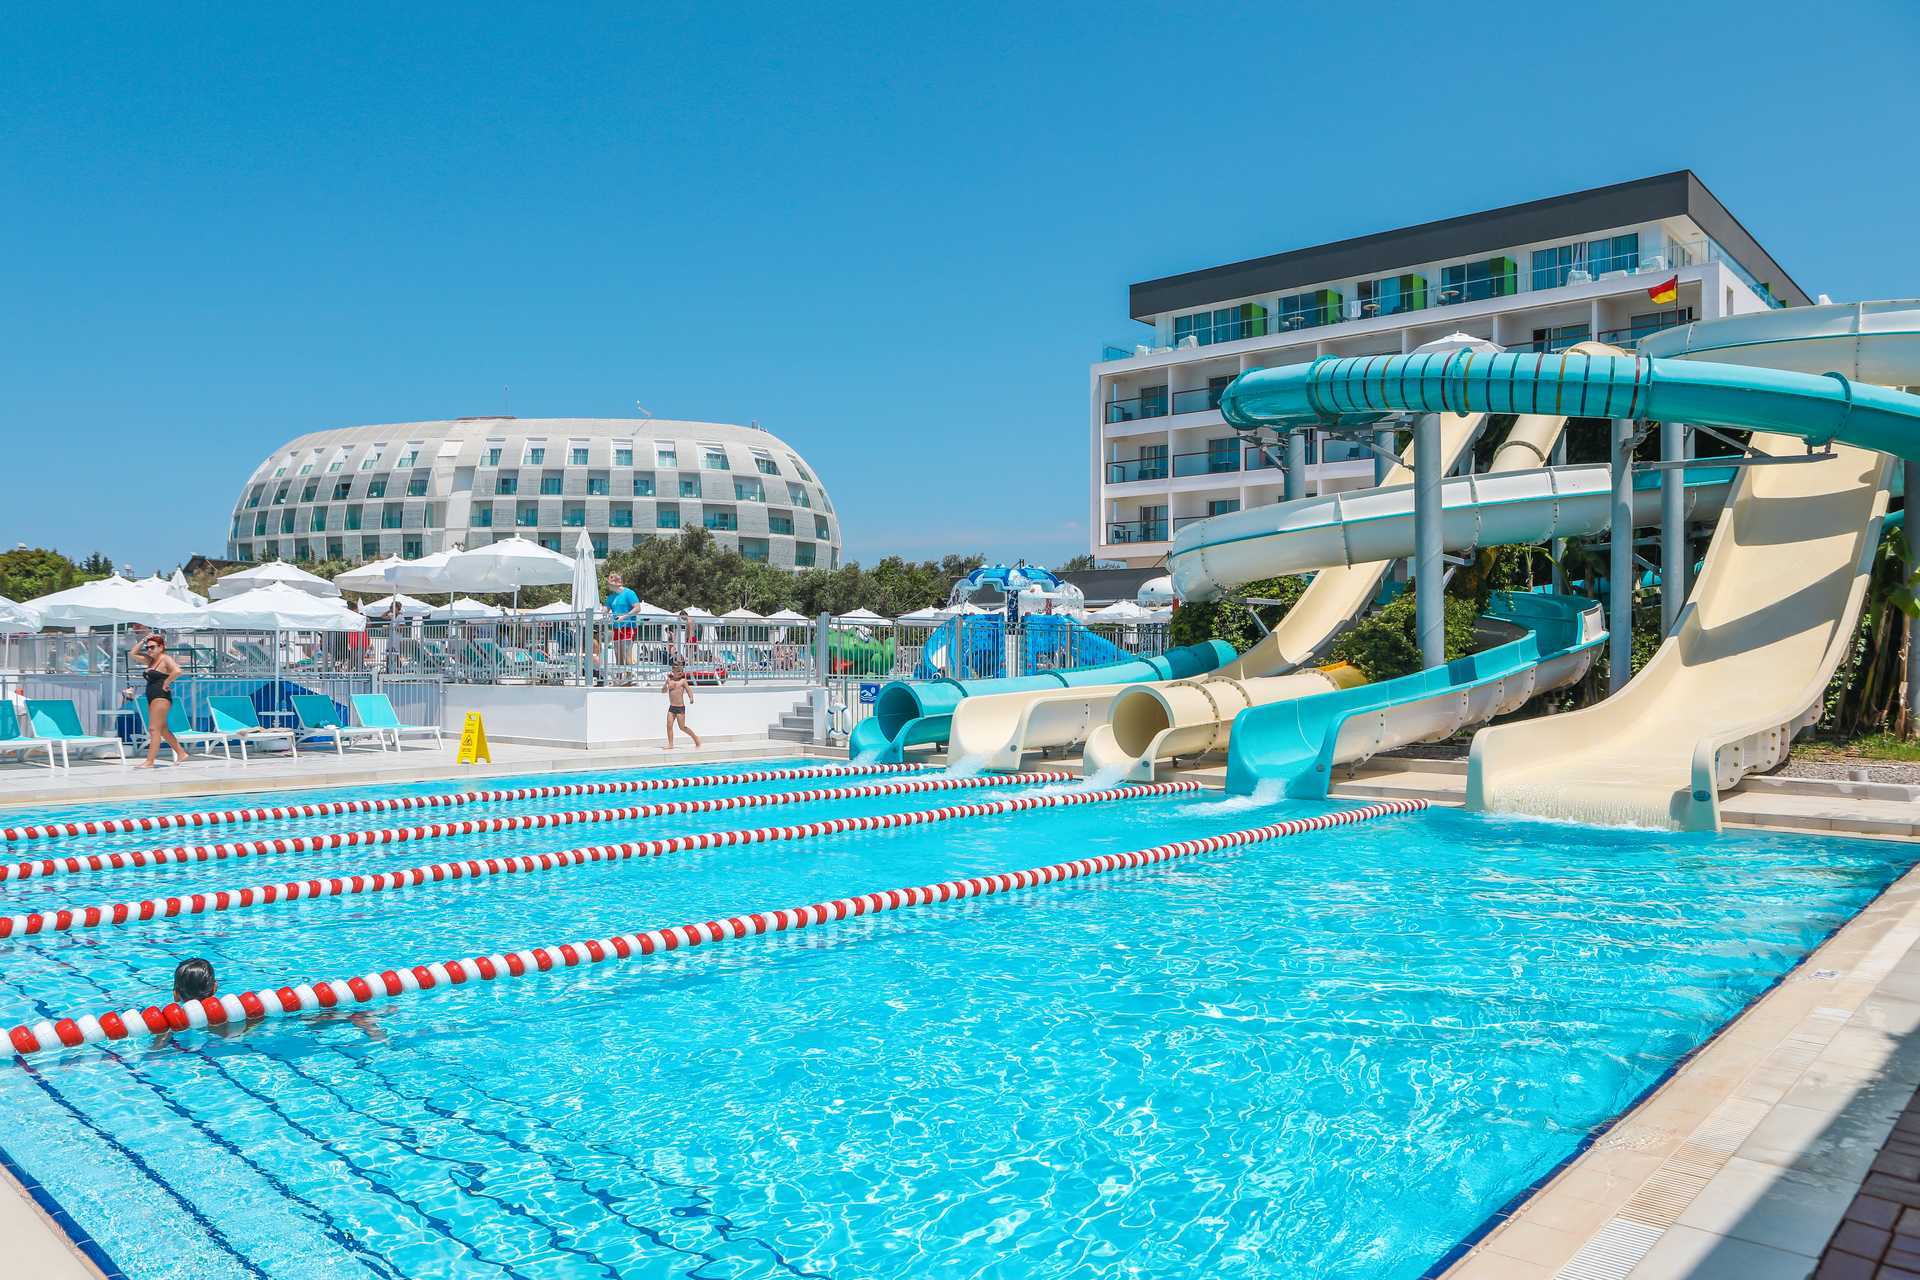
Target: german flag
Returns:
[[1666, 291]]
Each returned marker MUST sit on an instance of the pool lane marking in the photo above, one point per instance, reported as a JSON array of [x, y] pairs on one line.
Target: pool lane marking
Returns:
[[330, 993], [75, 864], [388, 804], [65, 919]]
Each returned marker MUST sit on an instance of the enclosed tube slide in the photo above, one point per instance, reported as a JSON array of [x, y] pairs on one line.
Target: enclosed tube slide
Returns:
[[1784, 575]]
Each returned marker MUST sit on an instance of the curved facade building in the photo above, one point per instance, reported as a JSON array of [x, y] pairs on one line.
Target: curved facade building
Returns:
[[411, 488]]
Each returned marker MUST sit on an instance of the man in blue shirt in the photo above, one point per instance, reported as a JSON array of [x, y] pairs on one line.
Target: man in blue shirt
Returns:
[[622, 605]]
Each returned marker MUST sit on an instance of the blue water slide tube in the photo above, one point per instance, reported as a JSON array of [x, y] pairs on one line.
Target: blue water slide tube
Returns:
[[1297, 742], [919, 713], [1353, 390]]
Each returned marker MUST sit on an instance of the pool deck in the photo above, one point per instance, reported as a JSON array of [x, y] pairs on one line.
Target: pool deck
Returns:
[[1775, 1142]]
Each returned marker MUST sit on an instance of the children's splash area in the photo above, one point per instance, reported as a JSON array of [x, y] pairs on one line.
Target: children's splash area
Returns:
[[1090, 972]]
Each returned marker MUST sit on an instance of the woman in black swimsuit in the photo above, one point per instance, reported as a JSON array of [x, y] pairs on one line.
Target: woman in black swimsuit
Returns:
[[162, 671]]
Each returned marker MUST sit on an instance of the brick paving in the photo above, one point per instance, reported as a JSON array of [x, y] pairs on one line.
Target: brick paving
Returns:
[[1879, 1239]]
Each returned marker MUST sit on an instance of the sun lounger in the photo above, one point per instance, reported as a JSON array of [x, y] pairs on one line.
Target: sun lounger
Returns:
[[58, 721], [375, 711]]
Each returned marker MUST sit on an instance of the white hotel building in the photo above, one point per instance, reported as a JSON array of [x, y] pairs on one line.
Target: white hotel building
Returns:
[[1539, 276]]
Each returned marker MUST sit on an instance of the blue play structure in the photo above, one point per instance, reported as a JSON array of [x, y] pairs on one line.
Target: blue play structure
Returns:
[[974, 647]]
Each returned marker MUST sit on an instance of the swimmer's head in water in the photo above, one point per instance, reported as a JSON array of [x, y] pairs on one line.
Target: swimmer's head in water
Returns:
[[193, 979]]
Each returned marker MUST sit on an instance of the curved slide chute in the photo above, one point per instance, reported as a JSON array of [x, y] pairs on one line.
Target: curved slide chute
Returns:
[[1784, 575]]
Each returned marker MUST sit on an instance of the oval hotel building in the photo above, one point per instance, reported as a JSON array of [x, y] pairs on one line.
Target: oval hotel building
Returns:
[[411, 488]]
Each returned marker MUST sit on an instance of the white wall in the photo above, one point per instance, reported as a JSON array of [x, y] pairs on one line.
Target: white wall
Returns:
[[566, 715]]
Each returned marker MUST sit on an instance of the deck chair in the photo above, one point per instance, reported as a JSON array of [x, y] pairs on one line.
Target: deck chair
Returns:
[[237, 720], [15, 739], [182, 725], [375, 711], [58, 721], [318, 722]]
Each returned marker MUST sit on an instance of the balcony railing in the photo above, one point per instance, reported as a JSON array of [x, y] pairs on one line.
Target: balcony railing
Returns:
[[1626, 338], [1136, 469], [1209, 463], [1198, 400], [1119, 531], [1154, 406]]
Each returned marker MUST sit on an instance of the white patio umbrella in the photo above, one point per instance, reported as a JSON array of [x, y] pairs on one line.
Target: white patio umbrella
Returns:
[[278, 571], [371, 576], [177, 584], [463, 608], [278, 607], [652, 610], [742, 614], [926, 615], [1119, 611], [409, 607], [586, 581], [549, 610], [861, 615], [18, 619], [112, 602], [508, 565], [786, 615]]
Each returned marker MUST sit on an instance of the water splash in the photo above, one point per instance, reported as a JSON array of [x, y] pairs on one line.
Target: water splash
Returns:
[[1266, 793], [1620, 807], [969, 766], [870, 755]]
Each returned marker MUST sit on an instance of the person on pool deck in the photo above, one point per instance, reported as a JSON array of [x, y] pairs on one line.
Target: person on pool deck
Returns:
[[622, 604], [161, 672], [679, 691]]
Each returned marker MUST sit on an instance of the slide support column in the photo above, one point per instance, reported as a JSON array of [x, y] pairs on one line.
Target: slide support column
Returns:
[[1558, 547], [1429, 558], [1620, 559], [1296, 465], [1382, 446], [1910, 477], [1675, 442]]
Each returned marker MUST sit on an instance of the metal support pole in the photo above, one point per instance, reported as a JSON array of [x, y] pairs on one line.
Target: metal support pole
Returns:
[[1296, 465], [1429, 558], [1382, 445], [1910, 478], [1675, 560], [1620, 559], [820, 647], [1559, 545]]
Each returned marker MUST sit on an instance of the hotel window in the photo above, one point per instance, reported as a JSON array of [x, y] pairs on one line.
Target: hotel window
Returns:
[[353, 516], [1392, 295], [483, 516], [253, 495], [1478, 281], [748, 490], [623, 455], [798, 496], [574, 515], [493, 454], [798, 469], [1224, 324], [528, 515], [714, 458], [689, 486], [819, 526], [1553, 267], [279, 471], [336, 549], [764, 461], [550, 484], [243, 551], [1221, 506], [377, 487], [665, 454], [371, 458], [341, 488], [577, 455], [286, 522], [260, 524], [306, 468], [780, 522], [408, 459], [1309, 310], [803, 555], [506, 482], [620, 516], [598, 486], [280, 494], [390, 516], [1216, 387], [411, 547], [301, 550], [667, 518], [535, 456], [721, 518], [417, 485], [551, 541], [1560, 337], [319, 522], [370, 548], [307, 490], [339, 461], [598, 541], [643, 484], [1613, 253], [754, 549]]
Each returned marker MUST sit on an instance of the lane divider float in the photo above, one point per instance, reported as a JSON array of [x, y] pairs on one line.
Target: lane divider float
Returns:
[[331, 993], [76, 864], [66, 919], [388, 804]]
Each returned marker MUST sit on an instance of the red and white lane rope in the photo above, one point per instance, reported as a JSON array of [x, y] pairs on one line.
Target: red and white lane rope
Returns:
[[65, 919], [332, 993], [75, 864], [389, 804]]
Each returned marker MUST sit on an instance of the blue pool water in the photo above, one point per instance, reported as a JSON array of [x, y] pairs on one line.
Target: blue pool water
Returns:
[[1334, 1055]]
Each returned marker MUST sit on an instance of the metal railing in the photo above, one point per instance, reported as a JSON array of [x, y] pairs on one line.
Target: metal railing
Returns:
[[1119, 531], [1130, 470], [1207, 462], [1136, 408]]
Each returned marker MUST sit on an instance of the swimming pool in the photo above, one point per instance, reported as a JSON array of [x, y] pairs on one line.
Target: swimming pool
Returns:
[[1333, 1055]]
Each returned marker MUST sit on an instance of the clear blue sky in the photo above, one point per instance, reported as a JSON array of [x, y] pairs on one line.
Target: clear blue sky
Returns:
[[895, 235]]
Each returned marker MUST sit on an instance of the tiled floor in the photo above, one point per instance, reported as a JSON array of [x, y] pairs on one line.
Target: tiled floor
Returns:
[[1879, 1238]]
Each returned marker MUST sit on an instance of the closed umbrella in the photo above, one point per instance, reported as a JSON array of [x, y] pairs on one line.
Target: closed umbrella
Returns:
[[278, 571], [371, 576], [114, 602], [182, 592], [585, 578], [278, 607]]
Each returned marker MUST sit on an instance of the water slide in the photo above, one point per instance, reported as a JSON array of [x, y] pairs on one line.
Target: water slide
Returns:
[[1783, 578]]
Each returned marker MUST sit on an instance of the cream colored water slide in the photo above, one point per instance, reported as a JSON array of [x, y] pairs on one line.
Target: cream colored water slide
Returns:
[[1752, 653]]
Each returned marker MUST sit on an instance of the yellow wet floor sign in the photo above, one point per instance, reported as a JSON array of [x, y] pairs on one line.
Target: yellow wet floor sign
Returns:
[[473, 741]]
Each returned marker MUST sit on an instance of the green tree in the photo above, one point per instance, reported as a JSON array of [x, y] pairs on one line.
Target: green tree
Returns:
[[29, 572]]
